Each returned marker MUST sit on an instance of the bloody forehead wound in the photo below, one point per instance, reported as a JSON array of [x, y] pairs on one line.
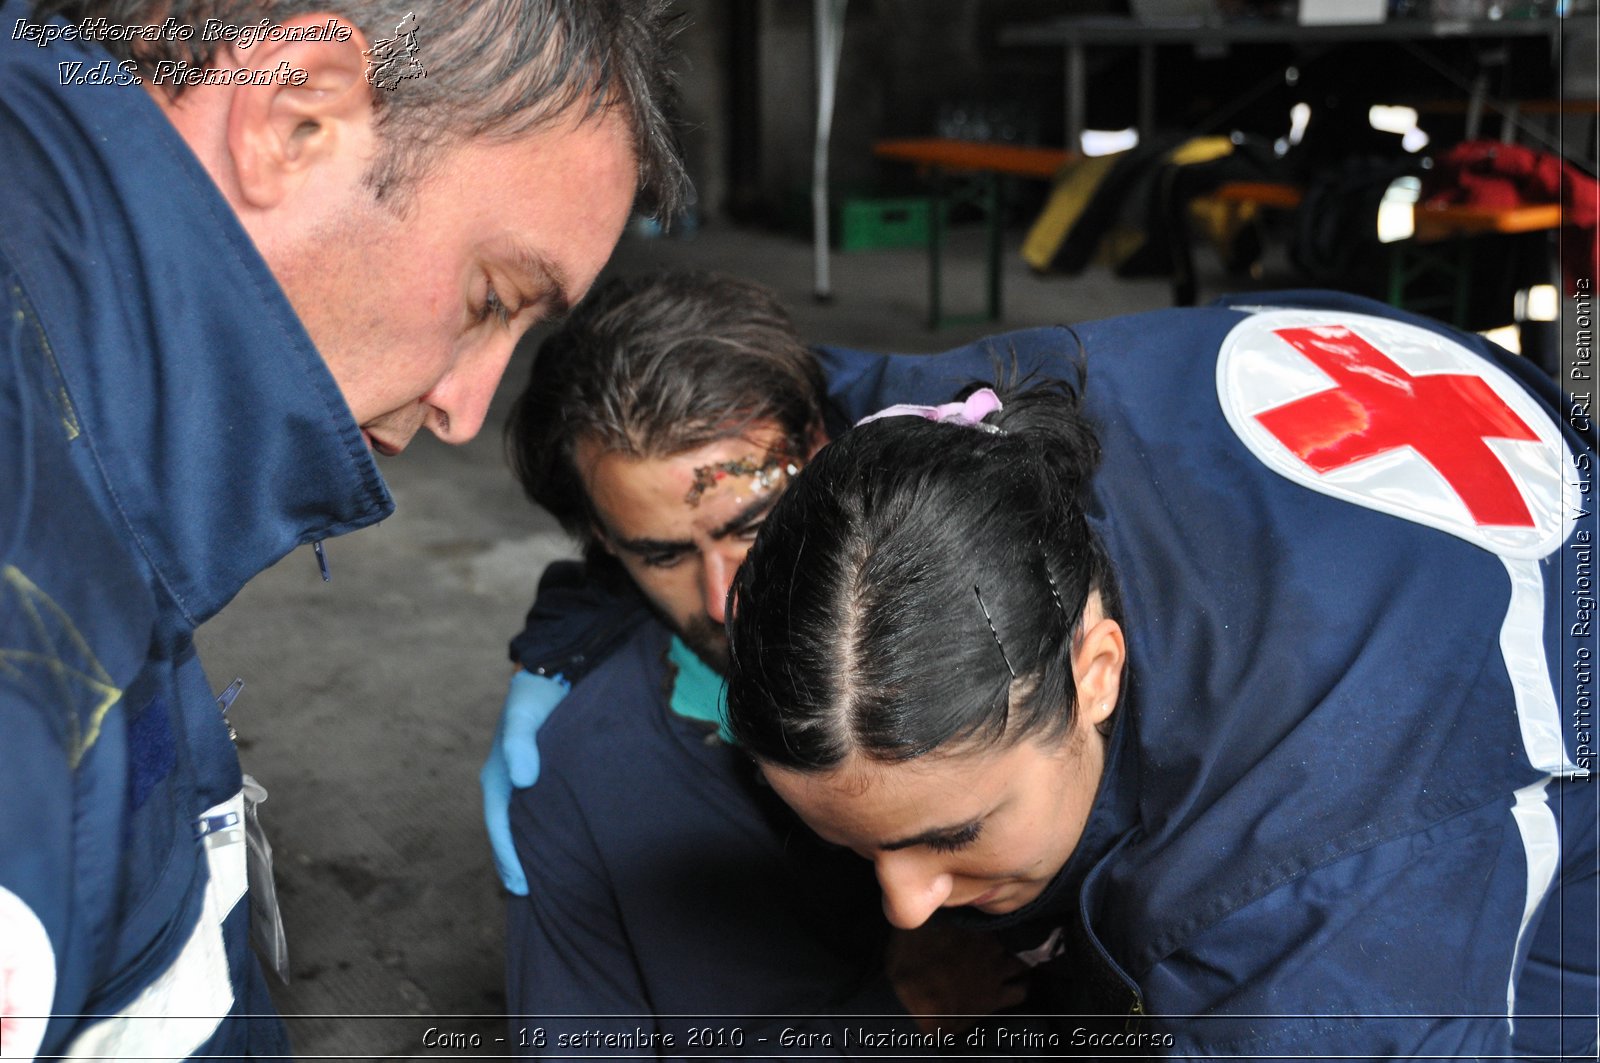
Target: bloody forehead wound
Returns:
[[765, 475]]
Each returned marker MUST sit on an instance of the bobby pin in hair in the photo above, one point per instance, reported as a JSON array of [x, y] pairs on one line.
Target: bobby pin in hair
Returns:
[[1056, 594], [993, 632]]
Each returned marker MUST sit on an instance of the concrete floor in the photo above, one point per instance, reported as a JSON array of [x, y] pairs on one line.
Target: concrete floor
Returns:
[[369, 701]]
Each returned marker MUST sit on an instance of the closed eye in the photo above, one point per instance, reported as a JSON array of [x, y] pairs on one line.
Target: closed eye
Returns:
[[661, 560], [493, 306], [949, 843]]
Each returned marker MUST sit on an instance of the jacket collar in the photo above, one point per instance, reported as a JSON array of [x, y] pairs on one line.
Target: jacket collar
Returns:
[[221, 437]]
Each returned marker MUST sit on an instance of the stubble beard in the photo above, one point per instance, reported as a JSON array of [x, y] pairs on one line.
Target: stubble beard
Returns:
[[709, 641]]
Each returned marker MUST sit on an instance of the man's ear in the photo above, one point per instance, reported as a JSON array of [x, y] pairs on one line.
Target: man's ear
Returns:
[[317, 109], [603, 539], [1098, 657]]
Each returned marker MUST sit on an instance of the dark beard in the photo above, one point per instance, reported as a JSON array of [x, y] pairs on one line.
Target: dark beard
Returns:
[[709, 641]]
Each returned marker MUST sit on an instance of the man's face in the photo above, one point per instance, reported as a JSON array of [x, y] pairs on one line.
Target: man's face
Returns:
[[681, 525], [416, 310]]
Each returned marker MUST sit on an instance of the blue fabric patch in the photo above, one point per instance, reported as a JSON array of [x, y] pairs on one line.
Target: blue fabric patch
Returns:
[[151, 752]]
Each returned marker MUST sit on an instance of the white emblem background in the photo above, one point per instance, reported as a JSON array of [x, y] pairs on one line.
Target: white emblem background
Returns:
[[1257, 370], [27, 978]]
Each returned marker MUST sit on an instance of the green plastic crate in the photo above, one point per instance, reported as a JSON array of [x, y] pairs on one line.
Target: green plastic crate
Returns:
[[897, 222]]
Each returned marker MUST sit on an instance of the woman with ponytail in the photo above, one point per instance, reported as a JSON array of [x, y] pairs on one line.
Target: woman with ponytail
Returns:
[[1227, 742]]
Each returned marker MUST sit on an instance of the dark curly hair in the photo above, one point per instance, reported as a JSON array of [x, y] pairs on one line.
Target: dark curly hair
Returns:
[[652, 366]]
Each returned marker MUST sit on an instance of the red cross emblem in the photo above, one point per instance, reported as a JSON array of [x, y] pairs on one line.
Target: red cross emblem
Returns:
[[1377, 407], [1399, 419]]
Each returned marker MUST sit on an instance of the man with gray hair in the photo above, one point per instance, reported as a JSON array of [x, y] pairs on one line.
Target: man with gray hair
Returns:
[[243, 245]]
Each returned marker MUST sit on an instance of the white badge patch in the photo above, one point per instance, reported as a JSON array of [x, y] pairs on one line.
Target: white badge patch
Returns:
[[1402, 420], [27, 978], [180, 1009]]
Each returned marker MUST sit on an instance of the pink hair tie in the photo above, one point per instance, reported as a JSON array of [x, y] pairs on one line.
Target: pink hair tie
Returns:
[[971, 413]]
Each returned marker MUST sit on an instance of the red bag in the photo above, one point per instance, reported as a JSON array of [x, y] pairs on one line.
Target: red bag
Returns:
[[1487, 173]]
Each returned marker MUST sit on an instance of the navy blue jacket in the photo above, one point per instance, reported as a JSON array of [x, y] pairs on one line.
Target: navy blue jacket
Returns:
[[643, 822], [1350, 805], [167, 431]]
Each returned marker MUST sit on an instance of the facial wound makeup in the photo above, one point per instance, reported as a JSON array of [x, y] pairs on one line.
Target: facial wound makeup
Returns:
[[763, 477]]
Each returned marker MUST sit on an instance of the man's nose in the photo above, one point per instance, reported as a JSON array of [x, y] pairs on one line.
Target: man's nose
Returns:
[[460, 401], [717, 574], [912, 890]]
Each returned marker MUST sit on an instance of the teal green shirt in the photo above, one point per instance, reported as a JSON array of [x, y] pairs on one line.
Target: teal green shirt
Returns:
[[698, 692]]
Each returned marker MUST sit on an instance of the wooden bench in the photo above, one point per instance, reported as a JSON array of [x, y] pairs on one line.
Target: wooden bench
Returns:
[[1269, 195], [1260, 195], [1448, 222], [1441, 244], [969, 172]]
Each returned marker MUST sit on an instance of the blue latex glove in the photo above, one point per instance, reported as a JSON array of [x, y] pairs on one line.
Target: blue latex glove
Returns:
[[514, 761]]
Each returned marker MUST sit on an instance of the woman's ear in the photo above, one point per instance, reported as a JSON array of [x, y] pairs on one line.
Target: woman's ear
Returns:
[[1098, 657]]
